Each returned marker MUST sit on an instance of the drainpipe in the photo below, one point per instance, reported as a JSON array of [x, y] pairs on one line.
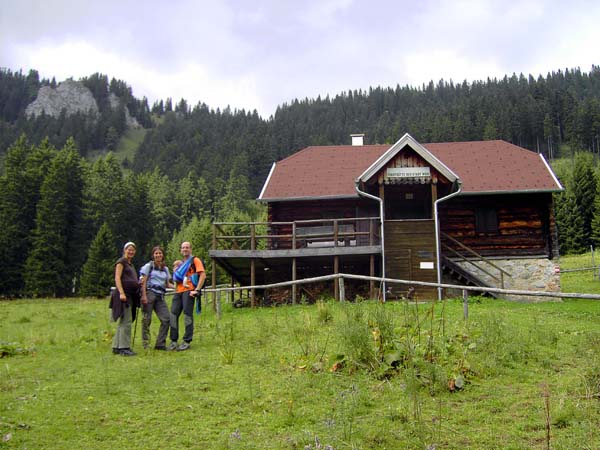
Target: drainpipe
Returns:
[[372, 197], [437, 235]]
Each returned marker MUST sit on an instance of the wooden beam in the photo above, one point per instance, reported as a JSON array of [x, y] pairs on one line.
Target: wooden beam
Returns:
[[214, 283], [294, 289], [372, 274], [434, 195], [214, 267], [253, 283], [336, 282]]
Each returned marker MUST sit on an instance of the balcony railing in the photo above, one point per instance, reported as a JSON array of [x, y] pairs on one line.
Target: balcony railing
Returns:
[[345, 232]]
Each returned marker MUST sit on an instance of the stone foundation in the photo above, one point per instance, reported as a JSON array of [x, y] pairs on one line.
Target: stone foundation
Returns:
[[527, 274]]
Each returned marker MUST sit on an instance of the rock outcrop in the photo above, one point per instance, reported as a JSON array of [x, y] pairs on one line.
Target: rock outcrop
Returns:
[[130, 121], [72, 96]]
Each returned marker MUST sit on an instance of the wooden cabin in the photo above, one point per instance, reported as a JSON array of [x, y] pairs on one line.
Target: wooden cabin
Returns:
[[477, 213]]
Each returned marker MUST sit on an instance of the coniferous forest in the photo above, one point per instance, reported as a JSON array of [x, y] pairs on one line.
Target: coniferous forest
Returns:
[[65, 211]]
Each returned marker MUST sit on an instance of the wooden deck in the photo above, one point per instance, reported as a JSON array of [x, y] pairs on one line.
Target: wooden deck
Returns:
[[261, 252]]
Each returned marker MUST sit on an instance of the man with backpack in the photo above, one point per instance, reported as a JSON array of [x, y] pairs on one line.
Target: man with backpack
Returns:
[[155, 281], [189, 278]]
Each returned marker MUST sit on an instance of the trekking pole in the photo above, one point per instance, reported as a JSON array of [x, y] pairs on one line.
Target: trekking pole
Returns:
[[137, 314]]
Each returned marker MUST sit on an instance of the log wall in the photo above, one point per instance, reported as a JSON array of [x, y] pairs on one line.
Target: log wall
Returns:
[[525, 224]]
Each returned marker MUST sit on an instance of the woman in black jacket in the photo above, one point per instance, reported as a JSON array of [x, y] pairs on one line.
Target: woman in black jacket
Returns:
[[125, 300]]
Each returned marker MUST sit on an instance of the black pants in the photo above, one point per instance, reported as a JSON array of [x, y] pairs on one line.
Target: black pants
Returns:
[[182, 301]]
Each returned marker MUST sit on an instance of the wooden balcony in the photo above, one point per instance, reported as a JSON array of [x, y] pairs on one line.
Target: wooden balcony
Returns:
[[255, 252]]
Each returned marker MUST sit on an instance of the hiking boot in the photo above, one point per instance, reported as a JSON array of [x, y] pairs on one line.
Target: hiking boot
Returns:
[[184, 346], [160, 347], [172, 346], [127, 352], [116, 351]]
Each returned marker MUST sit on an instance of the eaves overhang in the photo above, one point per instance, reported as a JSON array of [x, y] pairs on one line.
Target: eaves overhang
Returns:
[[297, 199], [517, 191], [262, 191]]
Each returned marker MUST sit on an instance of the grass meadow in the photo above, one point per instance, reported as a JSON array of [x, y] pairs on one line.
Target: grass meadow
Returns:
[[326, 376]]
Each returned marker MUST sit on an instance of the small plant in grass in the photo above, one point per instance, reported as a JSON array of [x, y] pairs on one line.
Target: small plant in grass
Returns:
[[307, 335], [324, 312], [13, 349], [591, 372], [226, 342], [356, 339], [346, 405]]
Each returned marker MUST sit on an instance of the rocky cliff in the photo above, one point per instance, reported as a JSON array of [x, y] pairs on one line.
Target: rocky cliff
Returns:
[[73, 97]]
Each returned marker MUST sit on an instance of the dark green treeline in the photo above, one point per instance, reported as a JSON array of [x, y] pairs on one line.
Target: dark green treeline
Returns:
[[64, 218]]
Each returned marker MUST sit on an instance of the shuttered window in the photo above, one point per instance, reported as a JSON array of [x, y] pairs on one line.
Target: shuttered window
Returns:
[[486, 220]]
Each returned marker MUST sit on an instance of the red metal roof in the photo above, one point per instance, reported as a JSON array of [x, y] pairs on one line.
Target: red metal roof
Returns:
[[495, 166], [482, 166]]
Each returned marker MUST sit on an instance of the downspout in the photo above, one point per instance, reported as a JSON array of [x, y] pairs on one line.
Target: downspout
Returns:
[[437, 235], [372, 197]]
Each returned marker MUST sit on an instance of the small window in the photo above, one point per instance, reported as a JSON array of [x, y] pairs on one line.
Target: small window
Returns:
[[486, 220]]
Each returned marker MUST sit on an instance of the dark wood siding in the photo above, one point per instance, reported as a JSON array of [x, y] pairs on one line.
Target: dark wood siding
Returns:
[[407, 245], [525, 224]]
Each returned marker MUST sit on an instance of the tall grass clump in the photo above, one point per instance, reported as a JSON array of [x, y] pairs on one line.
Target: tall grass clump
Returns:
[[591, 373]]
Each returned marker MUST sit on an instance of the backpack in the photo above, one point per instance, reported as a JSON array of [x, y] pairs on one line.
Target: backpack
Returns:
[[182, 270]]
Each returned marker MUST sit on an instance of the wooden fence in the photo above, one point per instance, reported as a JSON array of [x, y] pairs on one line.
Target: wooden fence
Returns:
[[340, 277]]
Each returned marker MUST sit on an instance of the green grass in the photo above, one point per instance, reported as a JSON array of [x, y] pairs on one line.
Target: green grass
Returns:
[[126, 148], [582, 281], [129, 143], [351, 376]]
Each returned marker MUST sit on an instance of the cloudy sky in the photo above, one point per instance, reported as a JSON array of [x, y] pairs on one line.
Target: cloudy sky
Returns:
[[263, 53]]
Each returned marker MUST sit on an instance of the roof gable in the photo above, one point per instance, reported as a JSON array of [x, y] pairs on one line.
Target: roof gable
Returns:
[[401, 144]]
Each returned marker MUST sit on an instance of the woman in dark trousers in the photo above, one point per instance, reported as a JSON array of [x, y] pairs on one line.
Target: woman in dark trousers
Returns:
[[155, 281], [125, 300]]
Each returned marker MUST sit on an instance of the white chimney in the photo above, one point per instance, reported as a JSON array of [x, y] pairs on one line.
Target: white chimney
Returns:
[[357, 139]]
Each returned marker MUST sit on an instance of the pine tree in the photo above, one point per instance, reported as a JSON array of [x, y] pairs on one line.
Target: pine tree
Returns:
[[98, 270]]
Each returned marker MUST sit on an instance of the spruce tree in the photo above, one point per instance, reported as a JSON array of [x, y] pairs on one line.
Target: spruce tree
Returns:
[[57, 252], [19, 194], [584, 193], [98, 270]]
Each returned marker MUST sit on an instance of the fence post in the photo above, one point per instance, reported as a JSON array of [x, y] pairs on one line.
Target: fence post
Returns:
[[371, 259], [465, 304], [294, 289], [213, 266], [252, 266], [342, 290], [336, 281], [218, 306]]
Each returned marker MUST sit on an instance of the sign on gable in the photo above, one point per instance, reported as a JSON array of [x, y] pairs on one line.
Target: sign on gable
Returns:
[[408, 172]]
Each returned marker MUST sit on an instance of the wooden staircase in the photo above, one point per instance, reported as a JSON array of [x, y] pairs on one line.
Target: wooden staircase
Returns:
[[464, 277], [469, 257]]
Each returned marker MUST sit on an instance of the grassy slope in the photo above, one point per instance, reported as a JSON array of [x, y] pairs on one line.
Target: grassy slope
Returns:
[[129, 144], [253, 380]]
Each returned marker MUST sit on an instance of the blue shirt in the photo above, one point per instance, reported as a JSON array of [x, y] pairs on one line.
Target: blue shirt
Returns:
[[157, 280]]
